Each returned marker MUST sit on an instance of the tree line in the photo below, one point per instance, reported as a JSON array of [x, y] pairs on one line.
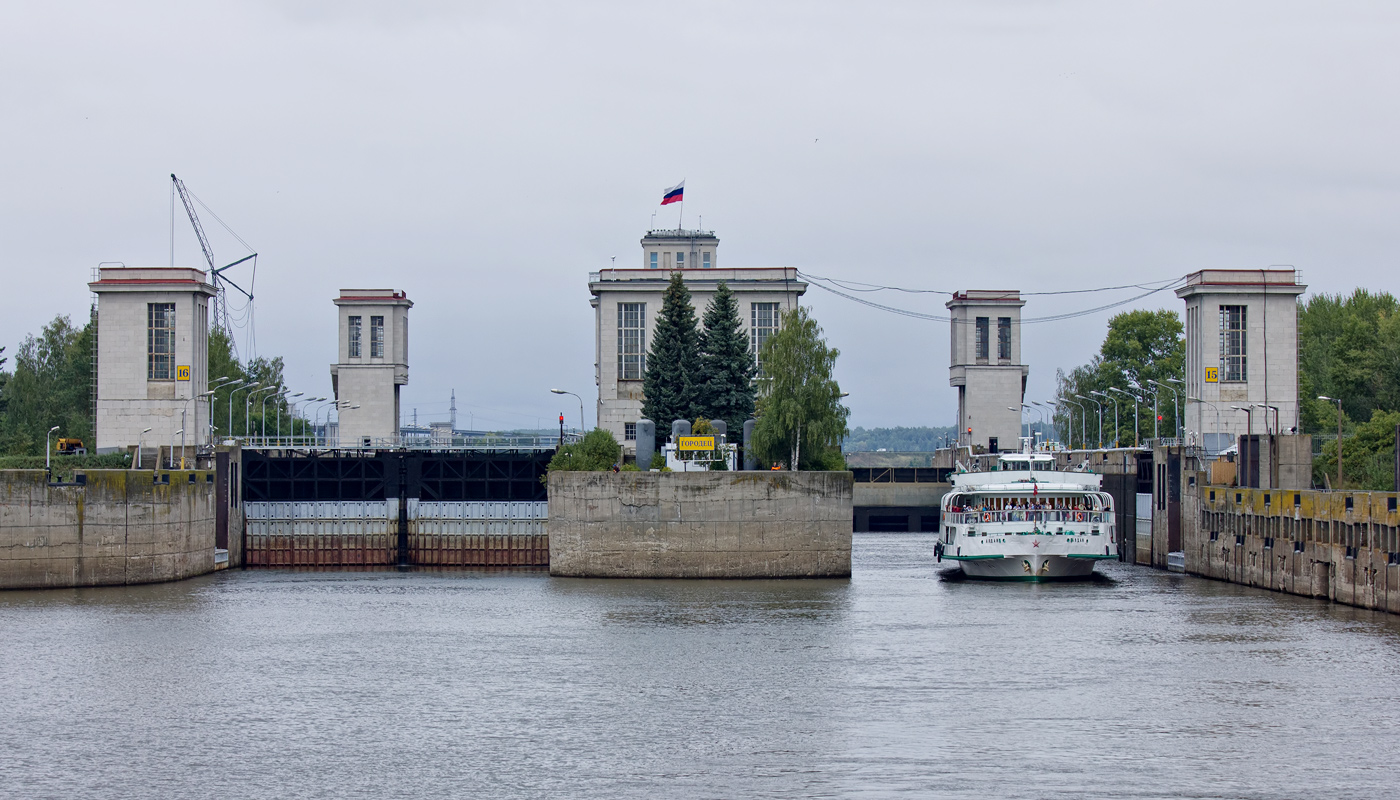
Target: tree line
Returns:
[[702, 370], [51, 383]]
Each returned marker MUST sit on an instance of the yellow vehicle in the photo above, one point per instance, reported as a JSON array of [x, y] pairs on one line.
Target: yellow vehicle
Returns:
[[71, 447]]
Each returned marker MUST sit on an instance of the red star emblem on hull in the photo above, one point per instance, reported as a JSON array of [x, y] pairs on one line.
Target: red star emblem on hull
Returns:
[[1035, 543]]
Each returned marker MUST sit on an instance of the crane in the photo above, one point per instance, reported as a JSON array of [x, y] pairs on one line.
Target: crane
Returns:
[[220, 317]]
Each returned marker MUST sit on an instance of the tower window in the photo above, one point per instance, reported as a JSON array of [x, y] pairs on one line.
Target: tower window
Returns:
[[354, 342], [160, 341], [763, 323], [705, 260], [1233, 345], [376, 337], [631, 341], [680, 260], [1004, 338], [653, 264], [983, 334], [629, 431]]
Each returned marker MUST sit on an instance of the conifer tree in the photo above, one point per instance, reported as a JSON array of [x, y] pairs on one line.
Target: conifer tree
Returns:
[[669, 383], [725, 388]]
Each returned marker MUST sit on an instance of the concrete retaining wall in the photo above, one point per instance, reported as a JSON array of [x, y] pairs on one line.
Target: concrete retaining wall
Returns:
[[700, 524], [120, 527], [1344, 546]]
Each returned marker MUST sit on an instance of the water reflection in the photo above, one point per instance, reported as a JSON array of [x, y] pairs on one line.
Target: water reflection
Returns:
[[472, 682]]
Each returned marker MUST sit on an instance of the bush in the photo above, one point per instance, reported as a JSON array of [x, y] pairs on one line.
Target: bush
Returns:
[[658, 461], [598, 452]]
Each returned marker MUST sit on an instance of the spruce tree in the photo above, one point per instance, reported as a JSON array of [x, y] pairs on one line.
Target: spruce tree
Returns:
[[725, 387], [669, 384]]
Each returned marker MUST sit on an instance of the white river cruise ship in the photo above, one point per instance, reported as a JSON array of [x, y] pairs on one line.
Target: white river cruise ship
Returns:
[[1027, 521]]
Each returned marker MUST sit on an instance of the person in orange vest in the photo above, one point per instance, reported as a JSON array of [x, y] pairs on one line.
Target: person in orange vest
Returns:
[[776, 465]]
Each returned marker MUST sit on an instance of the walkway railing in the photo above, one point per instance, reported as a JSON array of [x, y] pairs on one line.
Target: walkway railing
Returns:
[[312, 442], [972, 517]]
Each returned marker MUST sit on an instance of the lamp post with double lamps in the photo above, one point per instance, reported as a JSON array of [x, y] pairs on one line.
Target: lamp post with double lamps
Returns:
[[262, 412], [1338, 401], [308, 401], [1047, 413], [580, 408], [1267, 409], [1107, 396], [1099, 406], [234, 391], [219, 383]]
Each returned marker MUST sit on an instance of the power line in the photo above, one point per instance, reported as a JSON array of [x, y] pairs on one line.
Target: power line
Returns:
[[1149, 289]]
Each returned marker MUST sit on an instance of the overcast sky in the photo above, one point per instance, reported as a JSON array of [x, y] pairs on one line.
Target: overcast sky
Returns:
[[485, 157]]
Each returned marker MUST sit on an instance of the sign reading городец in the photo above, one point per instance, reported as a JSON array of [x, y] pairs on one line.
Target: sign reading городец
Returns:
[[696, 443]]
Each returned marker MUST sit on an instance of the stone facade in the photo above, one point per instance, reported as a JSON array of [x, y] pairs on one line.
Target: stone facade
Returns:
[[129, 398], [120, 527], [372, 363], [985, 367], [760, 292], [700, 524], [1268, 373]]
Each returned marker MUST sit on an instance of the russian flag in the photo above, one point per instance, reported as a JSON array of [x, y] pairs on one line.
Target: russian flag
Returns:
[[675, 194]]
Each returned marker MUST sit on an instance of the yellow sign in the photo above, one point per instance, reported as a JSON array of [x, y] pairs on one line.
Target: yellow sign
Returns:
[[182, 373], [1212, 374], [697, 443]]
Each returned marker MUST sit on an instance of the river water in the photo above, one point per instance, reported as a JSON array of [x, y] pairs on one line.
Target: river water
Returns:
[[251, 684]]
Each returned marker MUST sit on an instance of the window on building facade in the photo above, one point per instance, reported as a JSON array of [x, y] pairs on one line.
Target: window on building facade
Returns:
[[654, 264], [680, 260], [983, 329], [763, 323], [631, 341], [1004, 338], [629, 431], [160, 341], [376, 337], [354, 336], [1233, 346], [705, 260]]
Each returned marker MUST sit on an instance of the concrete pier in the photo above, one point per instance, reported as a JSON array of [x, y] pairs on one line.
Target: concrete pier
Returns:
[[700, 524]]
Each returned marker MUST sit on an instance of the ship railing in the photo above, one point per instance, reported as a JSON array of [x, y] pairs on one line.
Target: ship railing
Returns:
[[1041, 516]]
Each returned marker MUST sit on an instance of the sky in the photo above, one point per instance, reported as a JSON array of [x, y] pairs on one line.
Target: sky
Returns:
[[485, 157]]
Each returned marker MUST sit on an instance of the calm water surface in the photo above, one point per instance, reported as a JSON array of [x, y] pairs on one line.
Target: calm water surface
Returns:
[[278, 684]]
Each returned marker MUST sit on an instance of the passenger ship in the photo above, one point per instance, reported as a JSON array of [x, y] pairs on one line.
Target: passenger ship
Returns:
[[1027, 521]]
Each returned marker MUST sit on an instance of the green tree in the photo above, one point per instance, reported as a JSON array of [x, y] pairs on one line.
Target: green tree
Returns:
[[51, 385], [1348, 347], [800, 416], [1140, 347], [596, 452], [725, 388], [673, 361], [1368, 456], [265, 372]]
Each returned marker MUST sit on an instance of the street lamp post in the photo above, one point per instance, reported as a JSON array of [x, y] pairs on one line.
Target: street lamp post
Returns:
[[1023, 427], [235, 390], [137, 463], [1099, 406], [184, 409], [48, 449], [1136, 440], [1107, 396], [262, 412], [1217, 417], [580, 408], [284, 398], [1338, 401], [1179, 426], [1248, 418], [248, 408], [219, 384], [180, 432], [1069, 415]]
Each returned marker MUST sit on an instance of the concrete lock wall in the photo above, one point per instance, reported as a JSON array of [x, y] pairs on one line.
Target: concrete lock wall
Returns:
[[120, 527], [700, 524], [1344, 546]]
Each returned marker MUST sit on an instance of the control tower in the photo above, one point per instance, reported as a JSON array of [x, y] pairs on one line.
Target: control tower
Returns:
[[986, 367], [373, 363]]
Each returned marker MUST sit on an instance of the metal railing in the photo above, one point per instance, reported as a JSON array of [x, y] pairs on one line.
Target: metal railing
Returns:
[[977, 517]]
